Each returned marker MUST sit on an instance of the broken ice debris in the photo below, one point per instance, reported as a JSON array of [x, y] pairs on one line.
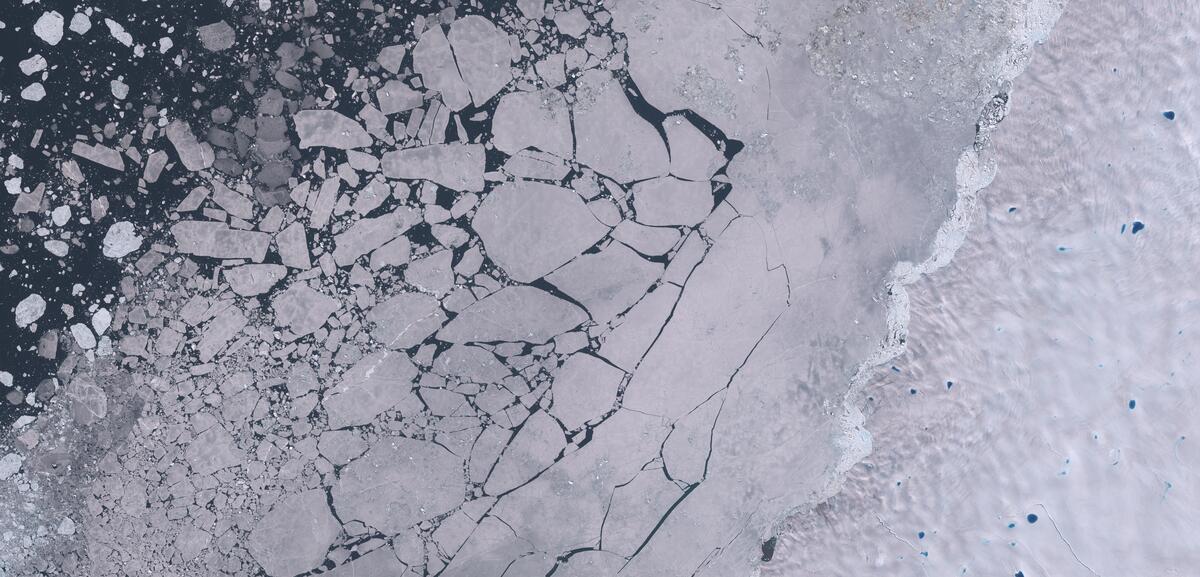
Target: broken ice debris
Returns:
[[611, 137], [254, 279], [405, 320], [83, 336], [193, 154], [217, 240], [121, 239], [671, 201], [99, 154], [483, 56], [455, 166], [433, 59], [376, 383], [302, 309], [329, 129], [369, 234], [30, 309]]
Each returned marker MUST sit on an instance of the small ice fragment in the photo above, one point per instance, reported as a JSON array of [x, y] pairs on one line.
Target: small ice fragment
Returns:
[[119, 89], [217, 36], [56, 247], [83, 336], [80, 24], [165, 44], [9, 465], [61, 215], [49, 27], [35, 63], [34, 92], [121, 240], [101, 320], [118, 32], [66, 527], [30, 309]]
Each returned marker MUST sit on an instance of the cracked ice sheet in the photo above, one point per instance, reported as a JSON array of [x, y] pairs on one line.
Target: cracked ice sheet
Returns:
[[483, 334]]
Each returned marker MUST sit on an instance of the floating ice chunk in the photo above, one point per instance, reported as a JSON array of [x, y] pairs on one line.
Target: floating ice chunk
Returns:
[[80, 23], [218, 240], [369, 234], [30, 309], [194, 155], [376, 383], [57, 247], [391, 57], [530, 228], [396, 96], [89, 403], [213, 450], [532, 450], [66, 527], [35, 63], [302, 309], [118, 32], [101, 320], [222, 329], [455, 166], [292, 244], [217, 36], [119, 89], [610, 136], [99, 154], [573, 22], [483, 55], [514, 314], [329, 129], [254, 279], [61, 215], [121, 239], [671, 201], [10, 464], [405, 320], [34, 92], [398, 483], [295, 535], [49, 27], [378, 562], [83, 336], [154, 165], [533, 119], [165, 44], [434, 61]]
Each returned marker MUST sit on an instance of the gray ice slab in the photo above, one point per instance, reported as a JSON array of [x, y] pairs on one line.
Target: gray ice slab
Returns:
[[585, 388], [292, 244], [254, 279], [538, 120], [99, 154], [470, 364], [330, 129], [223, 328], [610, 137], [381, 562], [218, 240], [398, 483], [433, 59], [693, 155], [405, 319], [295, 535], [455, 166], [302, 309], [482, 53], [376, 383], [369, 234], [531, 228], [217, 36], [608, 282], [395, 96], [532, 450], [194, 155], [213, 450], [671, 201], [514, 314]]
